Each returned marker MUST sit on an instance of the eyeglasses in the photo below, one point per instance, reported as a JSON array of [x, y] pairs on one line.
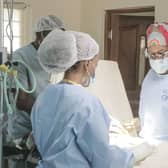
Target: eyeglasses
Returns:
[[159, 55]]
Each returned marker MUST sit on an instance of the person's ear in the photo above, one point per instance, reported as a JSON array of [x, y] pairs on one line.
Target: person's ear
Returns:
[[86, 65]]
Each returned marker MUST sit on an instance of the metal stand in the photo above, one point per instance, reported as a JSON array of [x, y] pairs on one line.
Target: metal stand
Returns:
[[1, 83]]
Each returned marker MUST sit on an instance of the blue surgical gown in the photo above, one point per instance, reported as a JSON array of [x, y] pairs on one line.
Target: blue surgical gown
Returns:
[[154, 106], [21, 125], [70, 128]]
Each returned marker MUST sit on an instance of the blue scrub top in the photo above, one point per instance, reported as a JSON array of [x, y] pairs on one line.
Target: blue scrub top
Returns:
[[70, 128], [21, 125]]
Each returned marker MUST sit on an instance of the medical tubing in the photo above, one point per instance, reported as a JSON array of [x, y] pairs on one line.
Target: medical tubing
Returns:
[[6, 95], [16, 95], [4, 88], [19, 85], [9, 107], [1, 90]]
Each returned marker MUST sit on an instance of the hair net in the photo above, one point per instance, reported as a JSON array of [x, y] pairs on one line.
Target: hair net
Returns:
[[58, 52], [49, 22], [157, 34], [87, 47]]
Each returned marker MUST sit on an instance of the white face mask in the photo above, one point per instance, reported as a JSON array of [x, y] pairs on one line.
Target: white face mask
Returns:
[[160, 66]]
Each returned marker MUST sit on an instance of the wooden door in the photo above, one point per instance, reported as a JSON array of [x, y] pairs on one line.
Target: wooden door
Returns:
[[126, 57]]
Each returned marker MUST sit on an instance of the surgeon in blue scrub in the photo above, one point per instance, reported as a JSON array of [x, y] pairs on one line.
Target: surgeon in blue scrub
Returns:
[[21, 126], [70, 125]]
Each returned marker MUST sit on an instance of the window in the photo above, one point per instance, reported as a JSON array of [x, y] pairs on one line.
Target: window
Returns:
[[17, 29]]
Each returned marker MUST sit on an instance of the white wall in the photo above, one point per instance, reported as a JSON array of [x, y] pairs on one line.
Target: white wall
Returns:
[[92, 17], [67, 10], [85, 15]]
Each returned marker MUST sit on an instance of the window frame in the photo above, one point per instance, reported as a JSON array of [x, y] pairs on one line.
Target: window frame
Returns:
[[20, 6]]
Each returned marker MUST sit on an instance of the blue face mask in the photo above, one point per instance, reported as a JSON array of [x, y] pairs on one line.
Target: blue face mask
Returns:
[[91, 77], [91, 80]]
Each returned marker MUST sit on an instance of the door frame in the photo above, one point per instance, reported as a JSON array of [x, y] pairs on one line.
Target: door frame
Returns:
[[114, 15], [113, 24]]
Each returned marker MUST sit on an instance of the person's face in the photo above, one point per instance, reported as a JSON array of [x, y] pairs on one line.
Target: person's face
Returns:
[[158, 59], [158, 52], [40, 37], [44, 34]]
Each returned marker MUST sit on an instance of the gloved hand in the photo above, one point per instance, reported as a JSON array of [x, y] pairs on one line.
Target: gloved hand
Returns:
[[142, 151]]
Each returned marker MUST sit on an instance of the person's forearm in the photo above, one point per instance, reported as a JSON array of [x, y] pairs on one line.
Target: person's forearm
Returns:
[[25, 101]]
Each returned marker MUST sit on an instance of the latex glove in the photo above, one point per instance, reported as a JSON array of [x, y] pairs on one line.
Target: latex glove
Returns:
[[142, 151]]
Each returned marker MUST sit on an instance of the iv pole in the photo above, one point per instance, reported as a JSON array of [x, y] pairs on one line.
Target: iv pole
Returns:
[[1, 89]]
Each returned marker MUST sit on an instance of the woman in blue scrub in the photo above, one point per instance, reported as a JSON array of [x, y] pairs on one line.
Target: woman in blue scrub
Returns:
[[70, 125]]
